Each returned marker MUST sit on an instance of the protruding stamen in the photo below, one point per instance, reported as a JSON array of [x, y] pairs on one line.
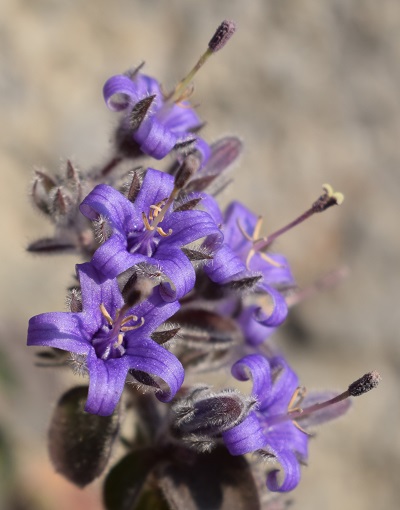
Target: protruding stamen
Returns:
[[255, 240], [222, 35], [297, 398], [366, 383], [328, 199]]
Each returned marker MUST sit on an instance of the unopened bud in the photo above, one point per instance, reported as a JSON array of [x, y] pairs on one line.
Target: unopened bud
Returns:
[[189, 167], [211, 413], [134, 186], [366, 383], [74, 300], [136, 289], [71, 172], [61, 203], [222, 35]]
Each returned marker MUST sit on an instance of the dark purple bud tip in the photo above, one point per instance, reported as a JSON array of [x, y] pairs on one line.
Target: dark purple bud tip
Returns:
[[366, 383], [139, 112], [222, 35], [136, 289], [189, 167]]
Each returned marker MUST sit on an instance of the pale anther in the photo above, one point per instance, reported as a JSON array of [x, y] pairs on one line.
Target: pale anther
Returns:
[[105, 314]]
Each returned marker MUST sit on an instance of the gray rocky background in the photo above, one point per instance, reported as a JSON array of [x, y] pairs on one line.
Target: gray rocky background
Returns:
[[312, 87]]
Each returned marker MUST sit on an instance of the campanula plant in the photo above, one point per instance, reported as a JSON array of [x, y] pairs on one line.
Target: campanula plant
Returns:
[[172, 294]]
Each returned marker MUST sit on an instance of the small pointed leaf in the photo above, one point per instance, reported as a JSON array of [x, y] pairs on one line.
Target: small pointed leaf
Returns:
[[50, 245], [139, 112], [188, 206]]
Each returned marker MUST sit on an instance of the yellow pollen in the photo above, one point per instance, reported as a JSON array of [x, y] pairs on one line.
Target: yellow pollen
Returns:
[[129, 318], [125, 320], [106, 315], [296, 400], [254, 239], [131, 328], [156, 209], [339, 197], [156, 215], [146, 222], [162, 233]]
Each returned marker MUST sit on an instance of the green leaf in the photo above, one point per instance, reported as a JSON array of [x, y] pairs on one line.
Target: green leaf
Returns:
[[152, 499], [125, 481], [80, 443], [215, 481]]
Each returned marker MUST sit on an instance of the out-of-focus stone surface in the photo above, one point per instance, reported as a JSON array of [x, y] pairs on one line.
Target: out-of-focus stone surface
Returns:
[[312, 86]]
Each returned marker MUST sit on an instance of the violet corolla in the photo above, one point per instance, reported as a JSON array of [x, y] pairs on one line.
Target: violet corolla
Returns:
[[151, 123], [150, 231], [112, 338], [278, 427], [241, 255]]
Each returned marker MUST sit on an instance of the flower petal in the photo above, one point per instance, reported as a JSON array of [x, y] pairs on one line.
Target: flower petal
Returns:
[[237, 214], [177, 267], [132, 90], [246, 437], [97, 289], [107, 380], [181, 117], [154, 310], [190, 226], [276, 276], [112, 257], [154, 138], [280, 309], [224, 266], [284, 385], [156, 187], [147, 356], [291, 470], [256, 368], [62, 330], [254, 331], [122, 215]]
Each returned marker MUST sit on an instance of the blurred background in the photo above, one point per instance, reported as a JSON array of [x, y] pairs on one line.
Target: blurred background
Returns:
[[312, 87]]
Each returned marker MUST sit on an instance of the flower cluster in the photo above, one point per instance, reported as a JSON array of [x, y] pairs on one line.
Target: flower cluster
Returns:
[[171, 289]]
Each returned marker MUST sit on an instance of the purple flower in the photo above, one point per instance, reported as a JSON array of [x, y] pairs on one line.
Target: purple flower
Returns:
[[277, 426], [112, 338], [241, 255], [149, 231], [155, 124], [270, 427]]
